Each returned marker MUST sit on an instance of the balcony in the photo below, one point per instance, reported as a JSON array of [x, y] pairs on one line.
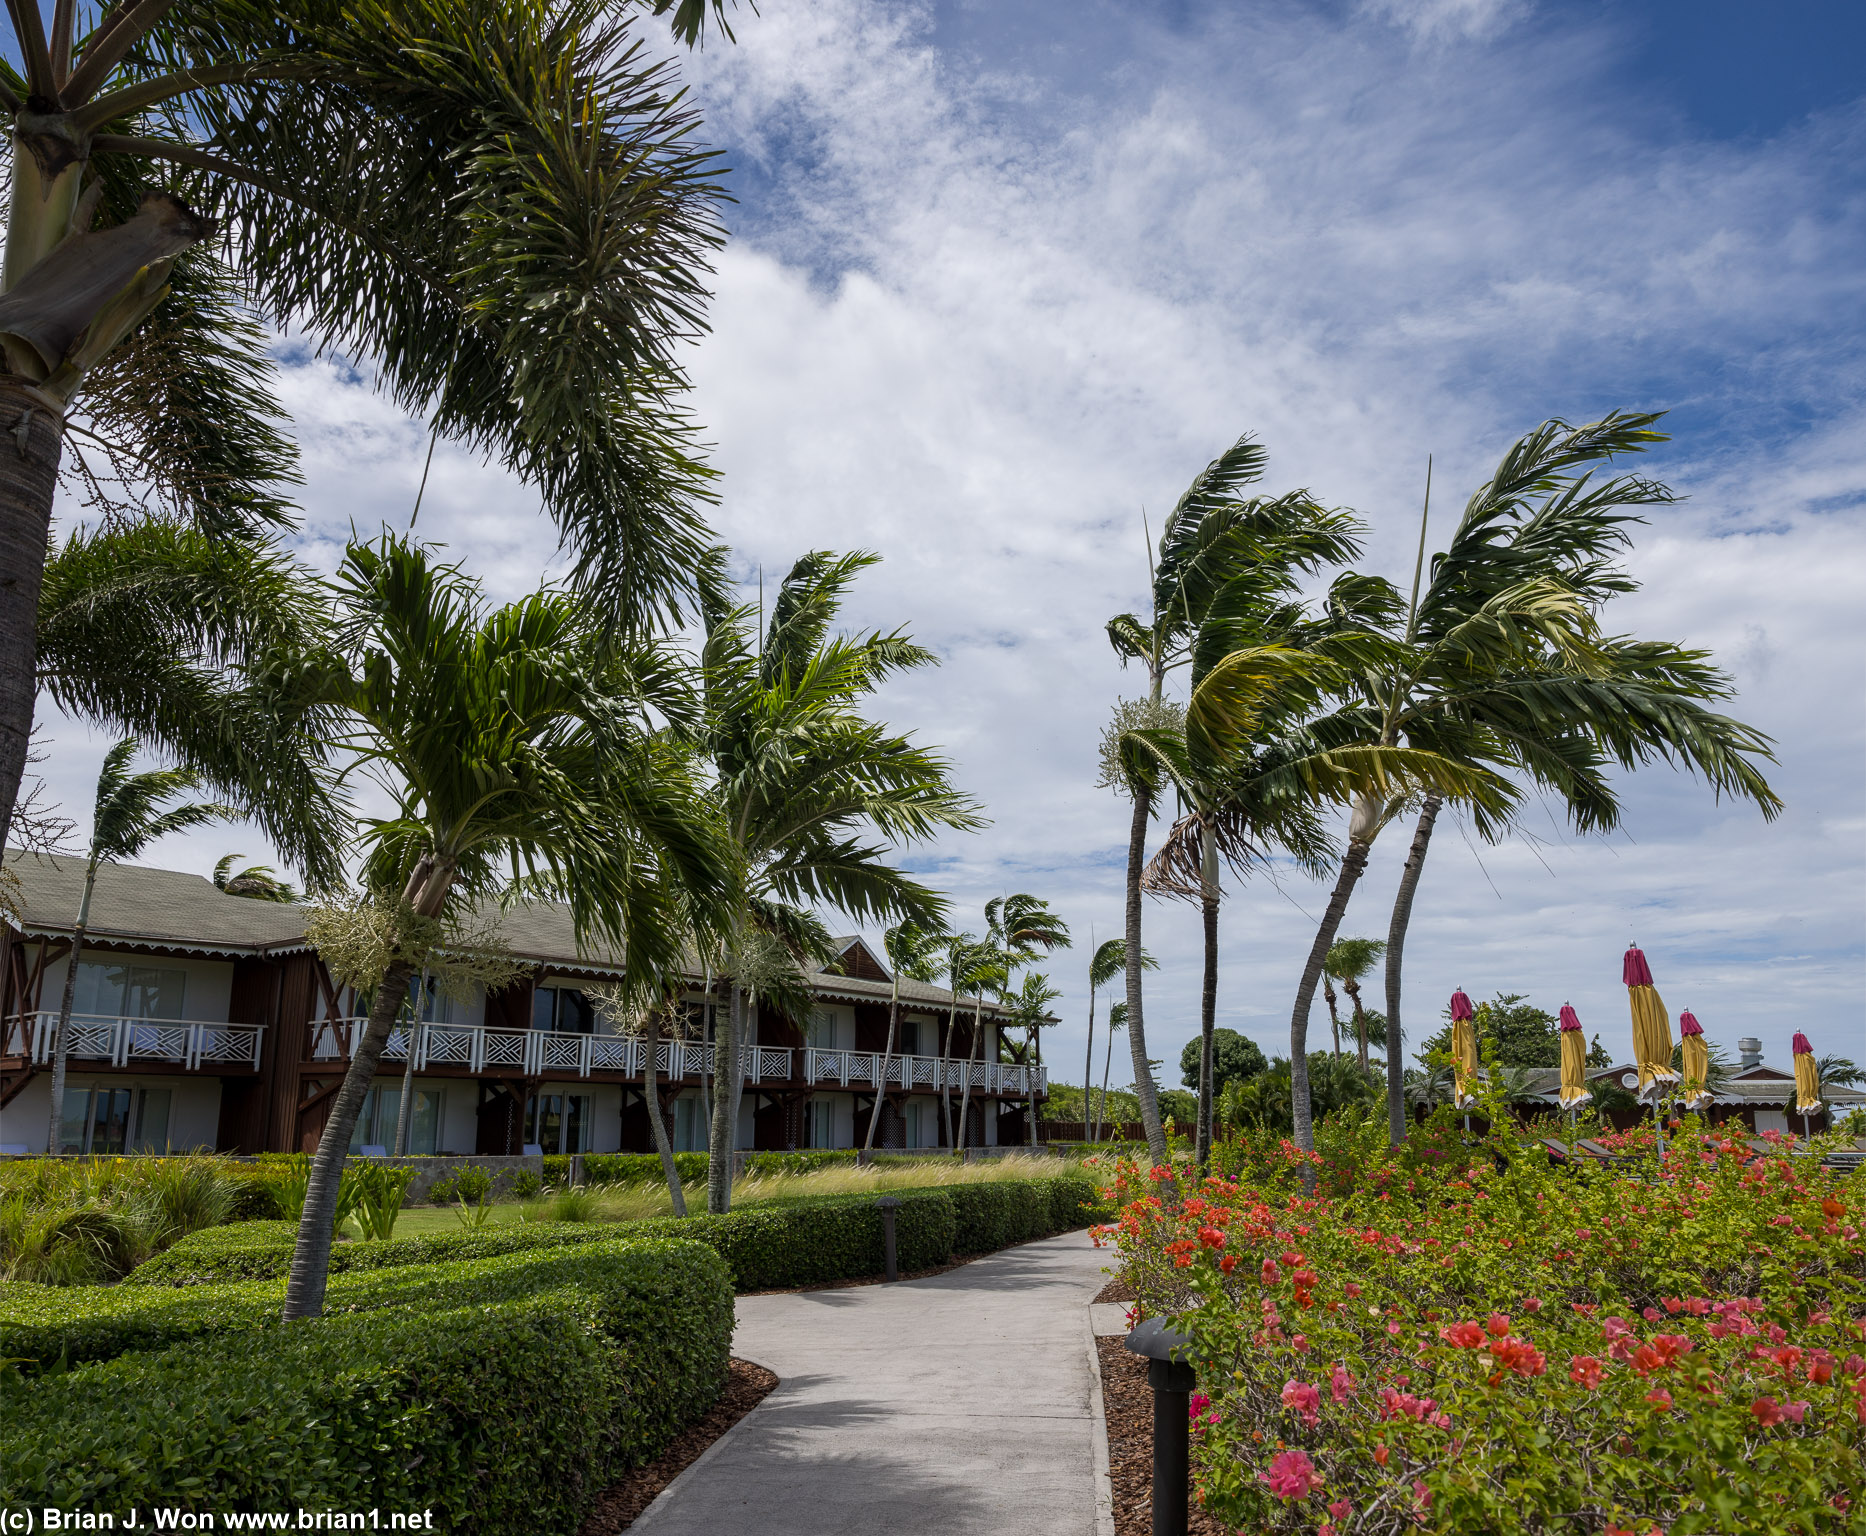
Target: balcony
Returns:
[[184, 1043], [535, 1052]]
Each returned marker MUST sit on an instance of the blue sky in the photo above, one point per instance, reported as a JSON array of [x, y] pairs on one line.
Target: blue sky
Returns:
[[1001, 277]]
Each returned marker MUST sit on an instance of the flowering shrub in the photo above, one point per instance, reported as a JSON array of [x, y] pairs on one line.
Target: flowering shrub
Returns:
[[1675, 1347]]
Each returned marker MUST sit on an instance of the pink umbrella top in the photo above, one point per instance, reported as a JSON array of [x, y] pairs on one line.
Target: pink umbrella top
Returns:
[[1634, 970], [1569, 1018], [1802, 1048], [1688, 1024], [1460, 1005]]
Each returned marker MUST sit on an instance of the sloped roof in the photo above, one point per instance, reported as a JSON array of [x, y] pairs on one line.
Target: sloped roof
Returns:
[[1760, 1084], [151, 908]]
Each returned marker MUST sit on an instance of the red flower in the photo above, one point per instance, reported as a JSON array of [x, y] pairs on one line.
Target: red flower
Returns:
[[1660, 1399], [1463, 1335], [1520, 1356], [1767, 1411], [1586, 1370], [1341, 1385], [1228, 1263], [1497, 1325], [1380, 1455], [1304, 1398], [1270, 1273]]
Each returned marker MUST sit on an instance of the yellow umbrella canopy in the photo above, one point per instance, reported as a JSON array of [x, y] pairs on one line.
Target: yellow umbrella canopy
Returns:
[[1807, 1078], [1463, 1049], [1652, 1028], [1573, 1059], [1696, 1061]]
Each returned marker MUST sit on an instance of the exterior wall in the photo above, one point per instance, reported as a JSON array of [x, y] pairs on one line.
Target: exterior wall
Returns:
[[205, 994], [193, 1116]]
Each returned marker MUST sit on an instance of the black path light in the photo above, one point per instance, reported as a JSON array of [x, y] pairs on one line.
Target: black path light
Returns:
[[1172, 1381], [888, 1205]]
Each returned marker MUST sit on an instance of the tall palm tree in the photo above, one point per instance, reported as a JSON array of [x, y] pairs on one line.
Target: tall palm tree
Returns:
[[1106, 961], [500, 206], [1117, 1021], [127, 818], [1503, 664], [1022, 926], [1212, 537], [1347, 961], [518, 756], [913, 953], [803, 779], [1029, 1006]]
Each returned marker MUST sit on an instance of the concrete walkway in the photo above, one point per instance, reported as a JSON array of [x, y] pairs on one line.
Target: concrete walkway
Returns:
[[967, 1402]]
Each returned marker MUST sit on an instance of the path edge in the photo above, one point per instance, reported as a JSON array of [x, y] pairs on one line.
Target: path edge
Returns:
[[647, 1519], [1098, 1415]]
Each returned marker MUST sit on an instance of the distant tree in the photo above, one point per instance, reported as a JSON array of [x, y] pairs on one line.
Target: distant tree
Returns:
[[1839, 1072], [1522, 1034], [1234, 1058]]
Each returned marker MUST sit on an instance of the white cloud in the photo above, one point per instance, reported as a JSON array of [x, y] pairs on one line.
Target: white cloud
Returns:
[[978, 318]]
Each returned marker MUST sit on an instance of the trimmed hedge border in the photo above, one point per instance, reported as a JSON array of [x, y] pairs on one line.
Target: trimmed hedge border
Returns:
[[768, 1246], [440, 1388]]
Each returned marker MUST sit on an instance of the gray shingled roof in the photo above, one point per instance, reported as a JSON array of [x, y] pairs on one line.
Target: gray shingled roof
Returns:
[[158, 908]]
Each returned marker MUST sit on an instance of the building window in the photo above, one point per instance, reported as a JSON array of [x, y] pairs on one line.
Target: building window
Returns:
[[831, 1029], [375, 1126], [108, 1119], [559, 1122], [564, 1009], [111, 991]]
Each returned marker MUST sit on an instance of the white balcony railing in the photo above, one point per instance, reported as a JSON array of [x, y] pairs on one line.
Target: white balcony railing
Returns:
[[186, 1043], [537, 1051]]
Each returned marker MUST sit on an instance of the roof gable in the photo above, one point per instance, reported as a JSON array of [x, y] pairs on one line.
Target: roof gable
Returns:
[[855, 958]]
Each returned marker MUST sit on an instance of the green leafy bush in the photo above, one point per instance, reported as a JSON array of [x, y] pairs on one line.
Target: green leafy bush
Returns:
[[1468, 1338], [444, 1388], [772, 1244]]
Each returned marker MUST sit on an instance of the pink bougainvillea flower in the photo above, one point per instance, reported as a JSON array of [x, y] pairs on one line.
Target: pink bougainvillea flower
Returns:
[[1496, 1325], [1660, 1399], [1197, 1404], [1463, 1335], [1340, 1509], [1270, 1274], [1341, 1385], [1767, 1410], [1352, 1289], [1303, 1398], [1532, 1304], [1422, 1493], [1291, 1476], [1586, 1370]]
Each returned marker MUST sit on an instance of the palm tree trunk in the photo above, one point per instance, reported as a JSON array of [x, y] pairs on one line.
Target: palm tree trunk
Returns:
[[1352, 863], [310, 1272], [670, 1170], [61, 1048], [404, 1112], [1136, 1024], [725, 1074], [1208, 1017], [1030, 1082], [1360, 1032], [881, 1078], [1088, 1058], [28, 481], [974, 1047], [1396, 948], [1107, 1057], [945, 1067]]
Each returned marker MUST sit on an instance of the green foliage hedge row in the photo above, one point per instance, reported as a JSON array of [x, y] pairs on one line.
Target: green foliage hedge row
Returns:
[[769, 1245], [645, 1167], [443, 1388]]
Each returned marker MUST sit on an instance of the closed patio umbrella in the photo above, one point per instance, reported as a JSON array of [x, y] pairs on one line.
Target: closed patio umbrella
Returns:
[[1573, 1060], [1696, 1061], [1807, 1081], [1463, 1050], [1652, 1030]]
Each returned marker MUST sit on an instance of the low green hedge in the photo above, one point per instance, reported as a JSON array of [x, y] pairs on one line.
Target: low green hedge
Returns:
[[769, 1245], [502, 1395], [645, 1167]]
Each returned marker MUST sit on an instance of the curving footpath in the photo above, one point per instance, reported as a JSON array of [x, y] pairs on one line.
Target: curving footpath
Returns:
[[965, 1402]]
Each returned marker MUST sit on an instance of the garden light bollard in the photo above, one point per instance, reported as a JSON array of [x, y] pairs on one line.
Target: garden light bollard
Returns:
[[888, 1205], [1172, 1382]]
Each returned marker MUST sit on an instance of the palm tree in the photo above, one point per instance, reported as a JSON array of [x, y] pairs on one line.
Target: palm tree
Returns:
[[802, 779], [1106, 961], [986, 965], [1117, 1020], [260, 882], [516, 751], [1347, 961], [1504, 666], [1029, 1006], [127, 819], [500, 206], [1210, 540], [1838, 1071], [913, 953], [1022, 926], [159, 630]]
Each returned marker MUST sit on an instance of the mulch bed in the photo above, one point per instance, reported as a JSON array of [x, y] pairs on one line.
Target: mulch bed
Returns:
[[1127, 1401], [621, 1503]]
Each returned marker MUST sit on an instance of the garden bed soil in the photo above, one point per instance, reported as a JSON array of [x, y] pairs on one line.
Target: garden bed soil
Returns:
[[621, 1503], [1127, 1405]]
